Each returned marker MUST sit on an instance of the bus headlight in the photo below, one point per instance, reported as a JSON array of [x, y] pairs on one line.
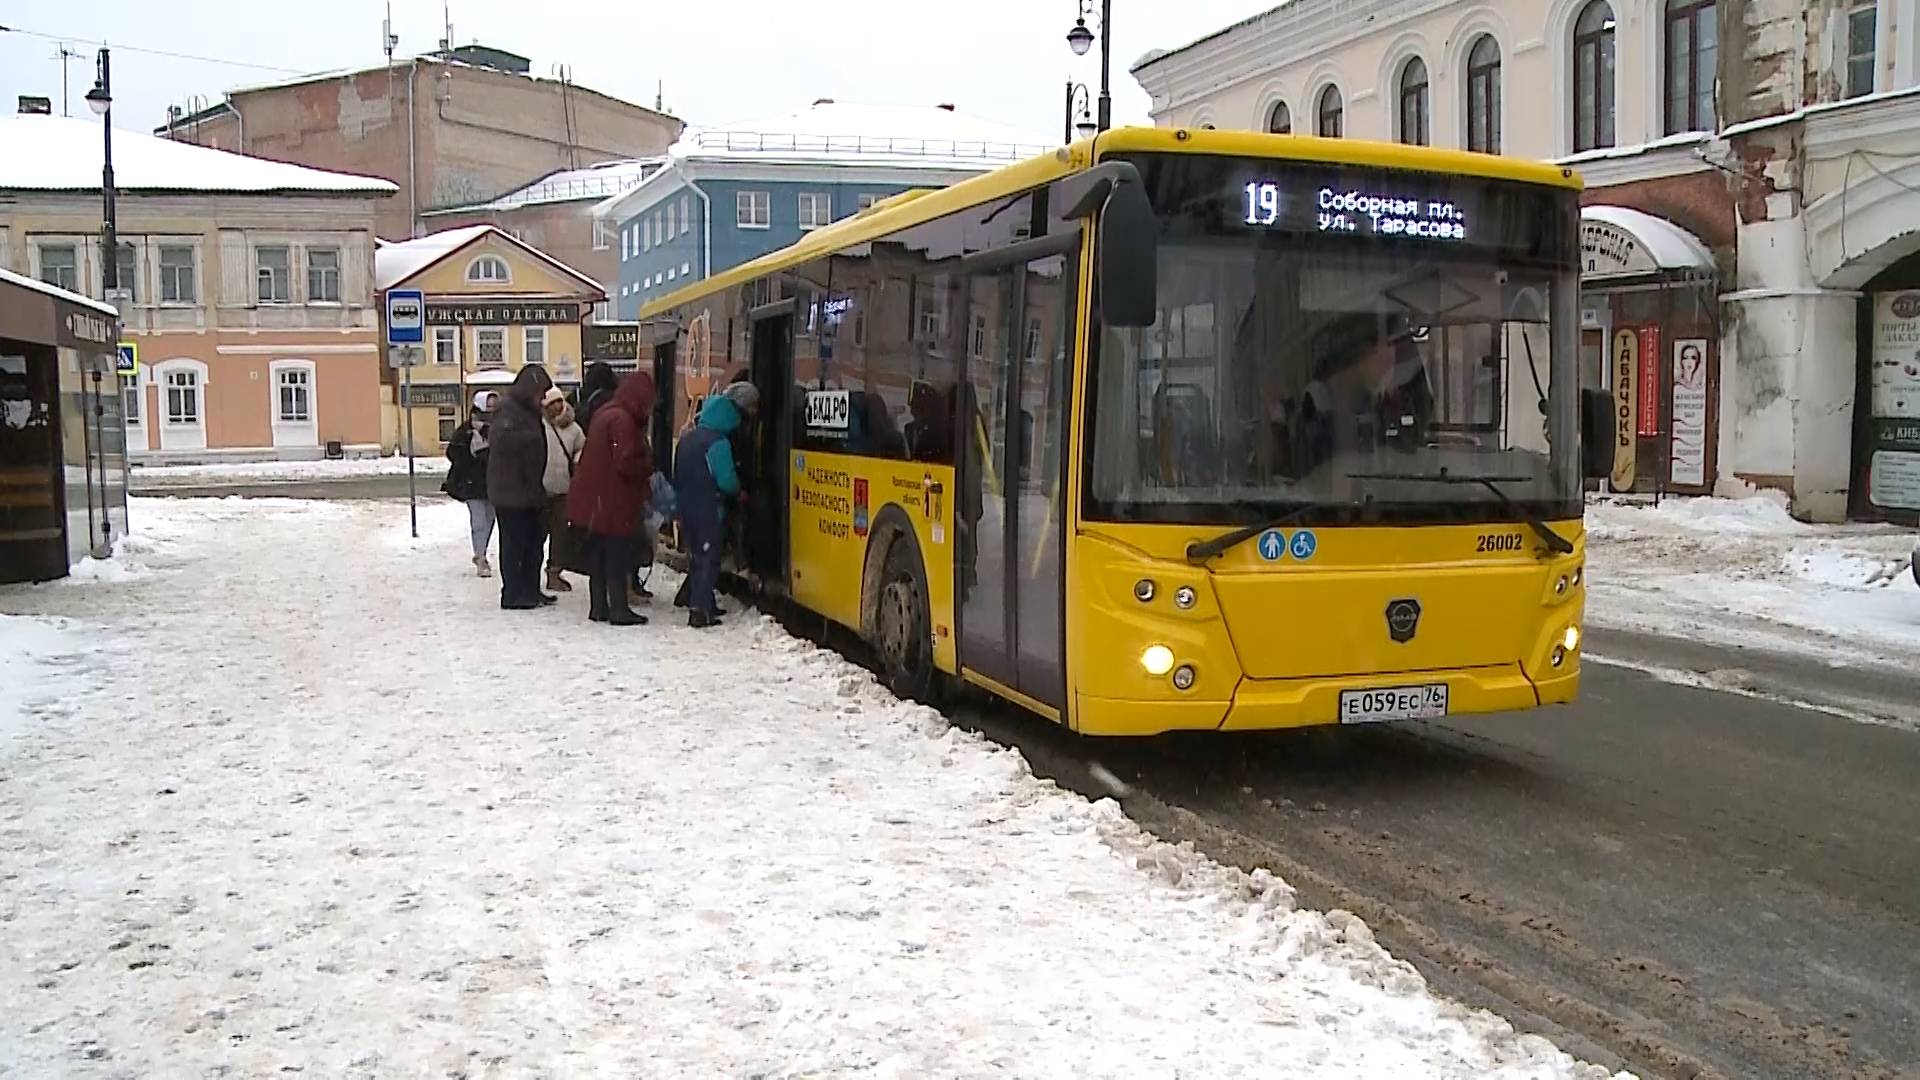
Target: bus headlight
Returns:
[[1183, 677], [1157, 660], [1571, 639]]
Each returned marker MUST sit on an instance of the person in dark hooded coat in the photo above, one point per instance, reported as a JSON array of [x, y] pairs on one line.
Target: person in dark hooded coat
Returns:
[[516, 486], [597, 384], [705, 480], [609, 497]]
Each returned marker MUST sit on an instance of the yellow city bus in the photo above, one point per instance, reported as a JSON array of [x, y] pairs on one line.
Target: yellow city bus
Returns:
[[1175, 429]]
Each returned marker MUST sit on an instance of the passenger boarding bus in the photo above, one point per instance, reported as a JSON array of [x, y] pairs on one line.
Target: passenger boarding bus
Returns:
[[1176, 429]]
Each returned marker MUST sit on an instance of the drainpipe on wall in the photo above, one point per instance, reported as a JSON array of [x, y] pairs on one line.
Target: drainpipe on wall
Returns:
[[706, 222], [413, 182]]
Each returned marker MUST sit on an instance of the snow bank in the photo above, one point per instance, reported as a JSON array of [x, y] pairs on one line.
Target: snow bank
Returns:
[[351, 819], [1744, 572], [37, 652], [161, 476]]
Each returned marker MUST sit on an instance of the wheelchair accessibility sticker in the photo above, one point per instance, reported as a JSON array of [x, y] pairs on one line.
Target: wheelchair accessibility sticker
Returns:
[[1304, 545]]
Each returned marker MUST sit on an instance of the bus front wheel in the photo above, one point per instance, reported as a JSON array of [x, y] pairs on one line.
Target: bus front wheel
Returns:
[[903, 628]]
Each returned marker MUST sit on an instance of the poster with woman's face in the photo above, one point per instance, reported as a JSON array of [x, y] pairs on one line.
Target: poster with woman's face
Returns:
[[1896, 355]]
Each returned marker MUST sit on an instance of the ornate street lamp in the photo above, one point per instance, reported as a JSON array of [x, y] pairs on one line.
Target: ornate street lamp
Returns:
[[1079, 121], [1080, 39], [100, 100]]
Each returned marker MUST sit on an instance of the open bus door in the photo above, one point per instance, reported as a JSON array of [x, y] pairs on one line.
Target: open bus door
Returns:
[[763, 540]]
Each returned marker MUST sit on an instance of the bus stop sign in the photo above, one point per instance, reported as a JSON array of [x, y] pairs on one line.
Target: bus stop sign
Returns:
[[406, 317]]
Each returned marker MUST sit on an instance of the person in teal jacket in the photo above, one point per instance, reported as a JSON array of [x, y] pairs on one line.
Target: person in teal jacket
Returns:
[[705, 479]]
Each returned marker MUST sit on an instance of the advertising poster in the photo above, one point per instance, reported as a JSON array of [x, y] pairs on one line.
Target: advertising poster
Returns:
[[1626, 372], [1649, 381], [1688, 454], [1893, 479]]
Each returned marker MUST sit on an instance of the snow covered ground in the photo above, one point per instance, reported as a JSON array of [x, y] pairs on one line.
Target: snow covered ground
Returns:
[[1743, 572], [311, 802], [150, 477]]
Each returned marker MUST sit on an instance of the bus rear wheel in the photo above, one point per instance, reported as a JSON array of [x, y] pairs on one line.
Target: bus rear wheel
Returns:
[[903, 631]]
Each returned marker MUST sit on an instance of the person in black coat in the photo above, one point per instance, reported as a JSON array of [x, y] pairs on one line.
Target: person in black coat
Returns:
[[516, 485], [597, 385], [466, 480]]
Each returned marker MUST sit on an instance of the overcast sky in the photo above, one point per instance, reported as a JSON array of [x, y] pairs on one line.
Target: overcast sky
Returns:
[[1006, 60]]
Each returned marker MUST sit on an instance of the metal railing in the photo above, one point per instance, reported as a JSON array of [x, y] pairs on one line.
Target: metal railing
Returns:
[[866, 145]]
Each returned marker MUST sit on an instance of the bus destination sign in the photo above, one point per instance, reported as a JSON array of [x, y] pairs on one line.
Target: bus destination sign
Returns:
[[1361, 211]]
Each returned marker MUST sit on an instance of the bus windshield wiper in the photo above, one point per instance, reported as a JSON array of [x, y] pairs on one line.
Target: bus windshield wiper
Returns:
[[1556, 543], [1201, 550]]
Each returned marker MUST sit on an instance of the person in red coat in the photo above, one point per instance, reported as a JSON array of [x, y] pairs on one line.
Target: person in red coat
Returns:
[[609, 496]]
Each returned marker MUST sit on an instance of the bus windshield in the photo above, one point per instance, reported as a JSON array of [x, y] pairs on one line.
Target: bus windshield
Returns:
[[1342, 345]]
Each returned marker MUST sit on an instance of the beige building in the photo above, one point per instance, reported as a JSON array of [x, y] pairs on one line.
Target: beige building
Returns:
[[451, 129], [250, 309], [494, 304]]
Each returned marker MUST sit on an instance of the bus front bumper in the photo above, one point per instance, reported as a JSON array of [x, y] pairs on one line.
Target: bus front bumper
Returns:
[[1274, 704]]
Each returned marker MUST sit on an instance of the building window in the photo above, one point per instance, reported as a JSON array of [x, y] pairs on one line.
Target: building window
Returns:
[[449, 423], [670, 273], [323, 275], [1483, 96], [930, 316], [488, 270], [685, 269], [60, 267], [816, 209], [686, 214], [1414, 101], [446, 345], [868, 200], [273, 275], [646, 235], [602, 310], [130, 397], [626, 252], [295, 386], [1693, 43], [126, 271], [1332, 118], [534, 341], [183, 397], [490, 347], [1862, 39], [753, 209], [1280, 119], [603, 239], [1032, 349], [977, 336], [1593, 77], [176, 275]]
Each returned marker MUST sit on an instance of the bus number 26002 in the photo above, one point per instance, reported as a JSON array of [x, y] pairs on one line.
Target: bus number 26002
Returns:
[[1500, 542]]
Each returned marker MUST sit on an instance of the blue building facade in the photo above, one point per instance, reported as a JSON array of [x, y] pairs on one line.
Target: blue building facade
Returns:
[[666, 242], [730, 194]]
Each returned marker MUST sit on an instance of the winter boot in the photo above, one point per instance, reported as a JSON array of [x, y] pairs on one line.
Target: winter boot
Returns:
[[700, 620], [481, 567], [556, 583]]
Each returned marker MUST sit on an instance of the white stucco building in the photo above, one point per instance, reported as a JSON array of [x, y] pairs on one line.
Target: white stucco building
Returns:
[[1753, 209]]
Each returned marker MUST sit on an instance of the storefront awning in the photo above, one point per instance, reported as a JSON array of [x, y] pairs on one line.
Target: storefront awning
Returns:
[[1617, 242]]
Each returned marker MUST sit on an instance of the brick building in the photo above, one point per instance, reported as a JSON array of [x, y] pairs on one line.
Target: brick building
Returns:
[[1751, 211], [450, 129]]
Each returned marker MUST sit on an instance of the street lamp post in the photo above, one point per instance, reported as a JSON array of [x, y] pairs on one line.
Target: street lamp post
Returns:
[[1083, 126], [100, 100], [1080, 39]]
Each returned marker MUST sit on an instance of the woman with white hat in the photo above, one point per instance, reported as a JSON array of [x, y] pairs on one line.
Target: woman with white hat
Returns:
[[466, 481]]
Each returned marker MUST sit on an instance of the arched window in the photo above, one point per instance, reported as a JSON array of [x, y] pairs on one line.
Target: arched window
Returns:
[[488, 270], [1414, 102], [1332, 114], [1593, 77], [1483, 96], [1280, 119], [1692, 45]]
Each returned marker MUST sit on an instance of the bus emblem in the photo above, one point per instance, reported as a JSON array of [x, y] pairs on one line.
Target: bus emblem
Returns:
[[1273, 545], [1403, 619]]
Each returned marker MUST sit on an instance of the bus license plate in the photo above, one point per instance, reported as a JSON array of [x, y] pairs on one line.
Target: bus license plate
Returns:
[[1393, 703]]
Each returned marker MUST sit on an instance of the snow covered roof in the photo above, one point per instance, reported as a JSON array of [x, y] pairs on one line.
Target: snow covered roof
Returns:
[[60, 153], [1154, 56], [1668, 245], [602, 181], [396, 262], [39, 286], [830, 133]]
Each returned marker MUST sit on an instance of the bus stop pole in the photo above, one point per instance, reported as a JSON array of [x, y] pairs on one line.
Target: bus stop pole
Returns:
[[413, 503]]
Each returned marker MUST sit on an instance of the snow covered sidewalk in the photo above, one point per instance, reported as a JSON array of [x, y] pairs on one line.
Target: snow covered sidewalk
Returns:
[[1743, 572], [311, 801]]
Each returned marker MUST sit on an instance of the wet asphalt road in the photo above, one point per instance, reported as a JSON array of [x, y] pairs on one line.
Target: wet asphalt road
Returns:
[[1682, 881]]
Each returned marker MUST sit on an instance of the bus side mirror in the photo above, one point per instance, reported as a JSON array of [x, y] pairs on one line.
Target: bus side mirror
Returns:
[[1129, 250], [1597, 431]]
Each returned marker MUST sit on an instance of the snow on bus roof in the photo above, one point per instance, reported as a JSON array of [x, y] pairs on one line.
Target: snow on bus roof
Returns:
[[61, 153]]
